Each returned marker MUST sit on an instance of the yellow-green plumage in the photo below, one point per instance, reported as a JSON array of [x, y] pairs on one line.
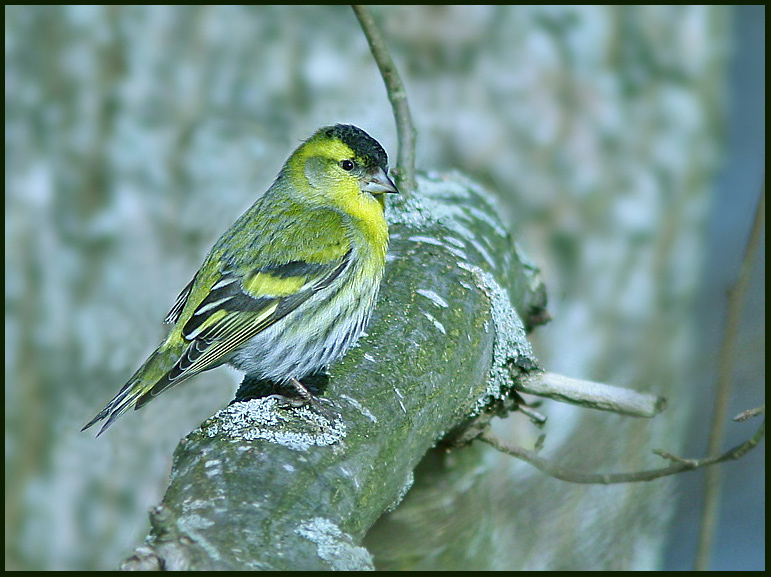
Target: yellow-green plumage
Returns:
[[290, 286]]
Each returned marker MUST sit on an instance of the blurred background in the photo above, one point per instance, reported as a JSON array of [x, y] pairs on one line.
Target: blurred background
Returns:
[[627, 145]]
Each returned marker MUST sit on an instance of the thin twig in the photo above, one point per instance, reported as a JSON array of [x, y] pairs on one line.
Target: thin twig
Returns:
[[590, 394], [405, 130], [679, 465], [749, 413], [725, 358]]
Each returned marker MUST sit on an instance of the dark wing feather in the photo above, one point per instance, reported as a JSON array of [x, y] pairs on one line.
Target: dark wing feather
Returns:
[[179, 304]]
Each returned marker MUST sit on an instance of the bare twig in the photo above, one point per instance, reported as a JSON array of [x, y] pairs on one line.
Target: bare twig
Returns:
[[679, 465], [405, 175], [535, 417], [749, 413], [590, 394], [725, 358]]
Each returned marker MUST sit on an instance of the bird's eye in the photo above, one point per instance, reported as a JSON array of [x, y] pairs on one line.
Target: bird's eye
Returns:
[[347, 165]]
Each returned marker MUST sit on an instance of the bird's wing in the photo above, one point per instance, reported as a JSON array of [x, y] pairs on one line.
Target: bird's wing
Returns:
[[238, 307]]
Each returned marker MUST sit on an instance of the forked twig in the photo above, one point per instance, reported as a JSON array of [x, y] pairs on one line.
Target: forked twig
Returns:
[[679, 465]]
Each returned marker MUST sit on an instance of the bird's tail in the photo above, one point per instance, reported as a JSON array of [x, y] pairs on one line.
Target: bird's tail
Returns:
[[138, 387]]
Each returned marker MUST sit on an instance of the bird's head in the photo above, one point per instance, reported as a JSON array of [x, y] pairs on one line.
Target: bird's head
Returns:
[[343, 166]]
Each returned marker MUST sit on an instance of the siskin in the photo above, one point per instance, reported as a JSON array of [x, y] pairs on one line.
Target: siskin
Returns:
[[290, 286]]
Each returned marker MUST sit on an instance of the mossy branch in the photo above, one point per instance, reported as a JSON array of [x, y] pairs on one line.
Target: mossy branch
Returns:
[[259, 486]]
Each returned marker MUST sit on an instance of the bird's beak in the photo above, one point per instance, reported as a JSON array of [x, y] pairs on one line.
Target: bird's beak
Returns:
[[378, 183]]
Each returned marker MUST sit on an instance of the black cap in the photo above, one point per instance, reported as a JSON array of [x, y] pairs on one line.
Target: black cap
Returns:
[[368, 150]]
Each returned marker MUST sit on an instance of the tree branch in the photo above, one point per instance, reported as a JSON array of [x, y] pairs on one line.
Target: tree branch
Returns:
[[263, 487], [591, 394], [405, 175], [571, 476]]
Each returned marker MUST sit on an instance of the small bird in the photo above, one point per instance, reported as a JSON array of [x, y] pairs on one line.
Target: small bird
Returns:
[[291, 284]]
